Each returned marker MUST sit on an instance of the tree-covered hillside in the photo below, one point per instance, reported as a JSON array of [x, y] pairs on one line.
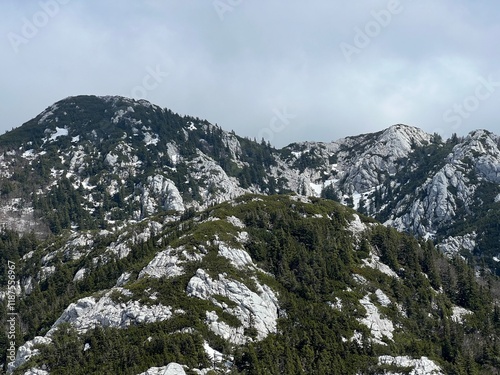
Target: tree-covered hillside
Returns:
[[348, 292]]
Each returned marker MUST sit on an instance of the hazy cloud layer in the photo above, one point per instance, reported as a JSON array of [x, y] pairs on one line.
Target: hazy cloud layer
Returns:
[[287, 71]]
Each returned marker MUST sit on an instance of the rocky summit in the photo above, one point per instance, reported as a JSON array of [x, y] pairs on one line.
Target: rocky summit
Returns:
[[138, 241]]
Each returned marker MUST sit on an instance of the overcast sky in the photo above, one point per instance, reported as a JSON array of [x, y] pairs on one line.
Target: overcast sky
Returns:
[[285, 70]]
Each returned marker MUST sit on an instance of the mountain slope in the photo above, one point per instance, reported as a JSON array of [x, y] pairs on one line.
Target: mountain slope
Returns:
[[264, 285], [143, 240], [122, 156], [111, 159]]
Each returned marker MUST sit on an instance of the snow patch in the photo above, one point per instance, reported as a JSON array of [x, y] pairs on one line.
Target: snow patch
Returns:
[[29, 154], [36, 371], [213, 355], [60, 132], [120, 114], [151, 139], [316, 188]]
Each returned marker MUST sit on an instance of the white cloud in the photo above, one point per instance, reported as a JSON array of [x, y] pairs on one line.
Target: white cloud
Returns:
[[262, 57]]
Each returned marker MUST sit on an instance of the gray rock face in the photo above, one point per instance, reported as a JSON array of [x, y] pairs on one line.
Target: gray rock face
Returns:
[[35, 371], [160, 192], [171, 369], [253, 309], [379, 157], [26, 351], [168, 263], [90, 312], [421, 366], [360, 163], [379, 326], [452, 245], [367, 165]]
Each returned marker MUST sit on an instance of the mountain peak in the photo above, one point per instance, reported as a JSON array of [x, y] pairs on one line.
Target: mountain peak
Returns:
[[404, 136], [396, 142], [114, 99], [94, 118]]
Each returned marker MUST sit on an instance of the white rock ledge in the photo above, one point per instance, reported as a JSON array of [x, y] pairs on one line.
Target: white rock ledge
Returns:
[[259, 310], [421, 366]]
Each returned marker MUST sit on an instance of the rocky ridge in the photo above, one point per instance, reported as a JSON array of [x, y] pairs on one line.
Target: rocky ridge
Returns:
[[126, 160], [121, 193]]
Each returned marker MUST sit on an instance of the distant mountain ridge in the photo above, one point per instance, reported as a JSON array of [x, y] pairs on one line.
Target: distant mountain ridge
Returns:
[[123, 158]]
